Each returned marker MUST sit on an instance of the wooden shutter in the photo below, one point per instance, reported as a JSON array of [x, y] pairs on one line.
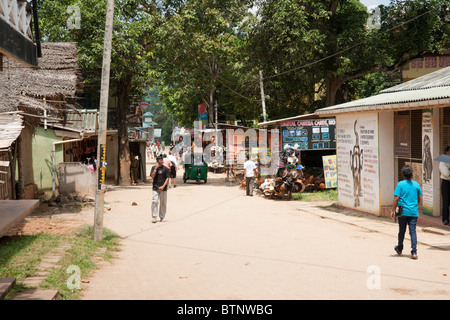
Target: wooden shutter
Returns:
[[445, 128]]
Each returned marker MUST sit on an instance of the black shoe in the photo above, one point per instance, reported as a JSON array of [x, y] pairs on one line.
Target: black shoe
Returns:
[[399, 252], [445, 222]]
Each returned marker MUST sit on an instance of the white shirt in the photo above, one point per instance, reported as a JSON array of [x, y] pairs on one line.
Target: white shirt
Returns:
[[249, 166], [172, 158], [444, 168]]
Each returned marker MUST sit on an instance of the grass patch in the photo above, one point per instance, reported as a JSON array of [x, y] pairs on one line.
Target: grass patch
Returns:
[[326, 195], [20, 257]]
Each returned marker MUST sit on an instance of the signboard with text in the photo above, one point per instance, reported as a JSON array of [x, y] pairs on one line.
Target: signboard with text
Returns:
[[102, 167], [315, 134], [358, 162], [330, 171]]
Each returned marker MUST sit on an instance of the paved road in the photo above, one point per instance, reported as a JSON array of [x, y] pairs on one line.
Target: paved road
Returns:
[[216, 243]]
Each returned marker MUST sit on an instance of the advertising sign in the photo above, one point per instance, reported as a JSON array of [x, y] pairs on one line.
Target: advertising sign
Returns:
[[427, 161], [357, 161], [102, 167], [315, 134], [330, 171], [144, 104], [202, 115]]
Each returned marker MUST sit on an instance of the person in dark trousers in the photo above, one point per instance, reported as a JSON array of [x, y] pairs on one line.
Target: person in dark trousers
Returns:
[[134, 168], [407, 194], [249, 174], [444, 169], [160, 175]]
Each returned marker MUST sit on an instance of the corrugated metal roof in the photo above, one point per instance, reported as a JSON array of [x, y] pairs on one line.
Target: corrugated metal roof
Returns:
[[437, 79], [393, 100], [83, 119], [429, 90]]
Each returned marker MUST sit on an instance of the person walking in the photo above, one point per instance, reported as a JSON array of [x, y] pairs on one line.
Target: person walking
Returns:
[[173, 168], [407, 194], [154, 149], [160, 175], [444, 169], [249, 174], [134, 169]]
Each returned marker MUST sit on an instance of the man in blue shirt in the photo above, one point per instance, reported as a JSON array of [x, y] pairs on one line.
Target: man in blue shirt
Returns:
[[407, 194]]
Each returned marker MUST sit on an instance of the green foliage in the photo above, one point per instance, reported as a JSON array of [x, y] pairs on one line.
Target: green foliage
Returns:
[[312, 53], [131, 49], [200, 52], [311, 50]]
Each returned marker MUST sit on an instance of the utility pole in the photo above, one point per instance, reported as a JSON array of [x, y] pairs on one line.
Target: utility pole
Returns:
[[102, 126], [217, 123], [263, 100]]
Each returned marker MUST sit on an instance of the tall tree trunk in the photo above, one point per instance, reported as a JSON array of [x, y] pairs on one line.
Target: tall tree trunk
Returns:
[[211, 106], [332, 86], [122, 125]]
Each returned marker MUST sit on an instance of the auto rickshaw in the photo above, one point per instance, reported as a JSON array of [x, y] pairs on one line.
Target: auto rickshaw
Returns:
[[195, 170]]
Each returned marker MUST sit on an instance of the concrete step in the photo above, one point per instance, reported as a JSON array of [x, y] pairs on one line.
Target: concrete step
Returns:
[[6, 284], [36, 294]]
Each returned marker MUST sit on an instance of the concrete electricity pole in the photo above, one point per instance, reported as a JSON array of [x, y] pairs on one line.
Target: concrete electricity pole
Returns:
[[263, 100], [102, 125]]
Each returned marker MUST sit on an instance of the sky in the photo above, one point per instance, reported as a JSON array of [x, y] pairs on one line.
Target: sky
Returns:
[[374, 3]]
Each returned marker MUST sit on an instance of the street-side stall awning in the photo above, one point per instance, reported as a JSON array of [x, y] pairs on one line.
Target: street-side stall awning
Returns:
[[11, 211], [11, 125], [279, 121]]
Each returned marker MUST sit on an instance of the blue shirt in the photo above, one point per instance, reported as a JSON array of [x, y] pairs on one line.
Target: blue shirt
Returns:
[[408, 192]]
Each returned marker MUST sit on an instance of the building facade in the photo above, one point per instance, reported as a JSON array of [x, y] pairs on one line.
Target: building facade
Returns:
[[376, 136]]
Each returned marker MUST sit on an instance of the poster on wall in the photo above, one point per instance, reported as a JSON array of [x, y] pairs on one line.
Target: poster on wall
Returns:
[[330, 171], [427, 161], [357, 161]]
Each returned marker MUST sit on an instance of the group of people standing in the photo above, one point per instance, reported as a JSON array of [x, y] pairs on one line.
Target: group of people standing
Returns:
[[407, 197]]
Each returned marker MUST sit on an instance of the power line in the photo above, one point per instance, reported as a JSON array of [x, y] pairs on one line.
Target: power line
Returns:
[[202, 63], [347, 49]]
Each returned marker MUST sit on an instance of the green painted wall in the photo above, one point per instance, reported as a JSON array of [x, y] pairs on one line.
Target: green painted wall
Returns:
[[42, 159]]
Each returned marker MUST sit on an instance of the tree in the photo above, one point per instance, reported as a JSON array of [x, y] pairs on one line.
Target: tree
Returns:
[[311, 51], [200, 54], [132, 50]]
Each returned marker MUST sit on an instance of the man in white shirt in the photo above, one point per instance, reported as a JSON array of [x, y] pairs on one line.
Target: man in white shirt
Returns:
[[173, 168], [444, 169], [249, 174]]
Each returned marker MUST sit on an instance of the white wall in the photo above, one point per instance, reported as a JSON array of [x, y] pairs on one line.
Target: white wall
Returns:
[[386, 156], [436, 151], [75, 178]]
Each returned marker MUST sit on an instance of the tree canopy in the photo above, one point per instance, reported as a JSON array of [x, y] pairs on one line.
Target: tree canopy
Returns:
[[311, 53]]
